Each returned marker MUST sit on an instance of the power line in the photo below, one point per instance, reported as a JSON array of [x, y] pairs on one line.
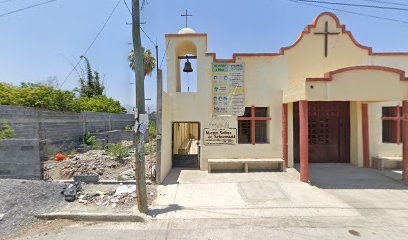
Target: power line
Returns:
[[28, 7], [387, 2], [93, 41], [164, 54], [354, 5], [350, 12]]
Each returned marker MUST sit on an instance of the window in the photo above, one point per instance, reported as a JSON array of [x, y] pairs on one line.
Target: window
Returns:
[[252, 127], [391, 124]]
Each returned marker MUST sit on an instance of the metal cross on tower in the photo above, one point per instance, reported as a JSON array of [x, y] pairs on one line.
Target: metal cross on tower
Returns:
[[326, 34], [186, 15]]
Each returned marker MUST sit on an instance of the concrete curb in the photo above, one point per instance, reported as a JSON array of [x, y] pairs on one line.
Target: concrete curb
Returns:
[[104, 182], [92, 217]]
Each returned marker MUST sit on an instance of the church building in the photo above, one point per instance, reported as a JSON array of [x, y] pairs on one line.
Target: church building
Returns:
[[324, 99]]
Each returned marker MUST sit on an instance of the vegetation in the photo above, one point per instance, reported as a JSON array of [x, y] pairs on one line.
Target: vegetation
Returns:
[[149, 63], [152, 130], [88, 97], [40, 96], [6, 131], [99, 104], [129, 127], [89, 139], [91, 86], [118, 151]]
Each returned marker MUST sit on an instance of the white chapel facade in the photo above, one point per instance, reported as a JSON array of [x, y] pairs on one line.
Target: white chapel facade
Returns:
[[326, 98]]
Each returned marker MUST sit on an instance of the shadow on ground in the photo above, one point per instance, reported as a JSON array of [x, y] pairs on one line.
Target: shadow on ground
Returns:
[[169, 208], [348, 176]]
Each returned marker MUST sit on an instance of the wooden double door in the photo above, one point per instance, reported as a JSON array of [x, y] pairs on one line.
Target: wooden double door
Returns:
[[328, 130]]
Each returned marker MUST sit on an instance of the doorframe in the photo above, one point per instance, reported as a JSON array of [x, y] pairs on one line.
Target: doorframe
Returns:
[[296, 129], [198, 145]]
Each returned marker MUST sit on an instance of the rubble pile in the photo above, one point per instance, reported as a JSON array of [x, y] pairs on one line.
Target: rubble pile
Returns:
[[122, 196], [95, 162]]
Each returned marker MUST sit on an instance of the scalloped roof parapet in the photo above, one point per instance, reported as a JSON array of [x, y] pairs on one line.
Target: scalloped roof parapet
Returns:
[[307, 30]]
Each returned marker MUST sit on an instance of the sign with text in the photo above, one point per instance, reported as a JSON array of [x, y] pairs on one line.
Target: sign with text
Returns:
[[220, 136], [228, 89]]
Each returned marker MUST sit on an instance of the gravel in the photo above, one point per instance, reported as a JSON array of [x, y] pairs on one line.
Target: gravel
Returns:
[[21, 200]]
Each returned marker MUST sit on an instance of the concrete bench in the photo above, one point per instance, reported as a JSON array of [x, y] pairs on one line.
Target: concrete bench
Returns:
[[246, 162], [382, 163]]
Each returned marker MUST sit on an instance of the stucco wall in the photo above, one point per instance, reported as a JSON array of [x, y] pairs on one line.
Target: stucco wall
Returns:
[[377, 147], [166, 163], [273, 79]]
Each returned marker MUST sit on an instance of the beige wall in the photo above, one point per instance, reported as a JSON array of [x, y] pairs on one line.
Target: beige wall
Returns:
[[359, 85], [377, 147], [166, 163], [356, 134], [273, 79]]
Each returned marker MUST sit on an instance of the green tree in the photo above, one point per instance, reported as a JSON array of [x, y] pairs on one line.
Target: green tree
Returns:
[[99, 104], [149, 62], [38, 96], [91, 86]]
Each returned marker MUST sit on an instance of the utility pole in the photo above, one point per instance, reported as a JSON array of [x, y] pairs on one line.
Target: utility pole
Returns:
[[158, 117], [140, 106]]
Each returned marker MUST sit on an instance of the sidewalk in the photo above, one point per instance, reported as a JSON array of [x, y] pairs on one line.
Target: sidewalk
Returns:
[[192, 194]]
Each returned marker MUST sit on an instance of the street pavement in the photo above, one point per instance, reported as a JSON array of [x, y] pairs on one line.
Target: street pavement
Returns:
[[342, 202]]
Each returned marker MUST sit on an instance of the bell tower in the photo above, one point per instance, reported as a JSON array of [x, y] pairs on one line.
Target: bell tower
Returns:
[[185, 53]]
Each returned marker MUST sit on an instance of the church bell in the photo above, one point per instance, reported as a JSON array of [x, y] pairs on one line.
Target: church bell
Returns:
[[187, 67]]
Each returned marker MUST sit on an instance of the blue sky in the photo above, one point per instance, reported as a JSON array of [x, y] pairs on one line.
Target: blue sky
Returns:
[[35, 44]]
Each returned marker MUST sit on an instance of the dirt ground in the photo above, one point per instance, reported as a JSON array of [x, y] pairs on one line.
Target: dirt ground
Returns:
[[97, 162], [20, 200]]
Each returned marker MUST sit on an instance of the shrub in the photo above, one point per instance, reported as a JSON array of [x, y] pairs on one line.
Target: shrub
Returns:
[[37, 95], [152, 130], [118, 151], [99, 104], [6, 131], [89, 139], [129, 127]]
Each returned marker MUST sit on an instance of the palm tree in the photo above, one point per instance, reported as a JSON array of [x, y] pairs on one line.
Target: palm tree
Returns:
[[149, 62]]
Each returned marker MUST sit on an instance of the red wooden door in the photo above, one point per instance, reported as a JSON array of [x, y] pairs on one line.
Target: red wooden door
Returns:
[[329, 132]]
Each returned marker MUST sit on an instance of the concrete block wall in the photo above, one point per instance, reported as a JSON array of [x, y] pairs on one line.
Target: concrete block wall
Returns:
[[38, 132], [23, 120], [114, 136], [60, 127], [20, 158]]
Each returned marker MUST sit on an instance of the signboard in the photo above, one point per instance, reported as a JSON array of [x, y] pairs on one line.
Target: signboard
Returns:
[[220, 136], [228, 89]]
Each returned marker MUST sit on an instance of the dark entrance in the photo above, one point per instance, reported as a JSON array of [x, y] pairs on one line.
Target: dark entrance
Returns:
[[329, 132], [186, 151]]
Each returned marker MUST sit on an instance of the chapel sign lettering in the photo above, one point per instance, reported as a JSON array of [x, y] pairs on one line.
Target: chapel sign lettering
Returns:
[[228, 89], [220, 136]]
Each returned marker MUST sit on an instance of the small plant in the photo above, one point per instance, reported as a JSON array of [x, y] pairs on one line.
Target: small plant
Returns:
[[129, 128], [89, 139], [152, 130], [6, 131], [118, 151], [60, 157]]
